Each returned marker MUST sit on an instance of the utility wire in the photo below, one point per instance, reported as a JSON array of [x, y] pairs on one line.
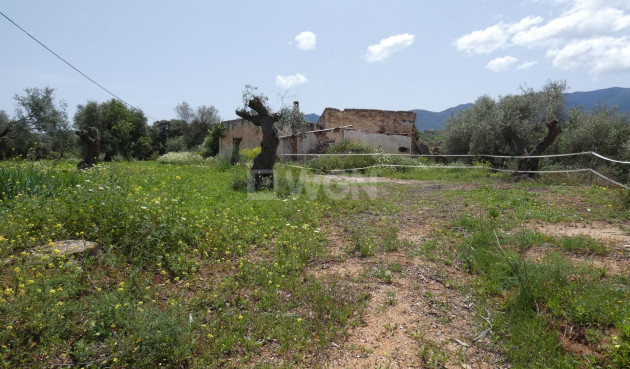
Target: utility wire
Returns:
[[70, 65]]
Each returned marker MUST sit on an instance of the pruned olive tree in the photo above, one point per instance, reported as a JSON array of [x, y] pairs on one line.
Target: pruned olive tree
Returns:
[[256, 110], [91, 139], [523, 125]]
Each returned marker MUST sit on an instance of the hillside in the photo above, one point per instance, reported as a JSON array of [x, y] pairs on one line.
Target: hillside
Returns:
[[435, 120], [610, 96], [614, 96]]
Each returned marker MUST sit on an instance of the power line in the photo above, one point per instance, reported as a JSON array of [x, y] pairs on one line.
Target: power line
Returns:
[[70, 65]]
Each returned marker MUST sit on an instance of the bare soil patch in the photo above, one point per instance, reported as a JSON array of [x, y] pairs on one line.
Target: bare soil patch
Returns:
[[613, 235], [617, 241], [417, 317]]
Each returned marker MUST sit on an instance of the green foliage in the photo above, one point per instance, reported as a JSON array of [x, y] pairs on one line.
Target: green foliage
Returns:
[[542, 293], [367, 243], [431, 137], [175, 144], [367, 157], [605, 131], [188, 273], [486, 127], [623, 197], [250, 154], [197, 123], [123, 131], [40, 128], [35, 179], [211, 143], [142, 149], [620, 345], [181, 158]]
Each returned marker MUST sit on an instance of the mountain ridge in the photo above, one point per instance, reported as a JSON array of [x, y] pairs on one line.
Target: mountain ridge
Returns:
[[589, 100]]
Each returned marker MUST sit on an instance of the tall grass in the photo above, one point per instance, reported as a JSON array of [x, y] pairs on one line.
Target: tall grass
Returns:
[[188, 273], [41, 178], [542, 297], [353, 155]]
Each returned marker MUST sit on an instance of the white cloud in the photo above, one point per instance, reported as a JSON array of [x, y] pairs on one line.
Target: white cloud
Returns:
[[598, 55], [388, 46], [589, 35], [286, 82], [494, 37], [483, 42], [306, 40], [526, 65], [501, 64], [577, 23], [524, 24]]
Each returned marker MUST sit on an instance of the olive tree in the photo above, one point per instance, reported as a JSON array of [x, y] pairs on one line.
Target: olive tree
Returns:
[[122, 130], [197, 122], [524, 124], [46, 120], [256, 110]]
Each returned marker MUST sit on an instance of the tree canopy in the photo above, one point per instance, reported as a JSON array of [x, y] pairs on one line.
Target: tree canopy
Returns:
[[123, 131], [40, 127], [511, 125]]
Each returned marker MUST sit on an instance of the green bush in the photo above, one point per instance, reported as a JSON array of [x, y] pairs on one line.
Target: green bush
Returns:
[[181, 158], [211, 143]]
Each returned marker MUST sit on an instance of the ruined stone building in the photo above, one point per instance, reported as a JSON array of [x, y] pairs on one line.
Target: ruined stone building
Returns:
[[388, 131]]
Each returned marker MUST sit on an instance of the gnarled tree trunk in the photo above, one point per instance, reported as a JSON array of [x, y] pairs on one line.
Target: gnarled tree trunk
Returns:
[[262, 170], [236, 144], [5, 131], [92, 139], [532, 164]]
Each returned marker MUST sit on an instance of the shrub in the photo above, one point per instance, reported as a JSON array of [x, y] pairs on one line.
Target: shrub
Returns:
[[211, 143], [181, 158], [250, 154], [176, 144], [369, 158]]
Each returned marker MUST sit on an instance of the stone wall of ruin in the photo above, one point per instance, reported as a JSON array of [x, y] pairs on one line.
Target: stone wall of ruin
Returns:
[[309, 142], [369, 121], [251, 134]]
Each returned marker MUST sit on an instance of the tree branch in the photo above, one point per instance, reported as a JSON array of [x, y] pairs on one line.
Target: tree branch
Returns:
[[249, 117], [261, 112], [554, 130], [520, 146]]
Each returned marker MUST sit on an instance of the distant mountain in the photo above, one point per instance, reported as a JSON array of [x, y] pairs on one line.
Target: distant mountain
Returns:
[[313, 118], [610, 96], [614, 96], [435, 120]]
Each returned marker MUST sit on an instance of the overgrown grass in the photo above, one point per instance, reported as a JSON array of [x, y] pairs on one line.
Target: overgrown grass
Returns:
[[350, 155], [189, 274], [543, 298], [21, 178], [194, 271]]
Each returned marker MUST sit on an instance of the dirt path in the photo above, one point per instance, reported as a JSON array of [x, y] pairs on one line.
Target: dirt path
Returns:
[[417, 315]]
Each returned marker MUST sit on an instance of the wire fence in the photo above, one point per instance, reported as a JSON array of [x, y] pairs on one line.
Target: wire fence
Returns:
[[585, 153]]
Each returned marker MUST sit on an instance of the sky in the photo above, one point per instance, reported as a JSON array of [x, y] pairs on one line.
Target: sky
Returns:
[[390, 55]]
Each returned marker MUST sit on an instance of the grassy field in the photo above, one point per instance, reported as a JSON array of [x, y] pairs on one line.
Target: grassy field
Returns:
[[193, 271]]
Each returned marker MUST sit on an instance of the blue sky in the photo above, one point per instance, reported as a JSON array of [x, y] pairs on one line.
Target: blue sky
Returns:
[[394, 55]]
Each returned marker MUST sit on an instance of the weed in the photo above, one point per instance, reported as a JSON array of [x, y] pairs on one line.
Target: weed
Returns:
[[396, 267], [582, 244], [432, 355], [620, 346]]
